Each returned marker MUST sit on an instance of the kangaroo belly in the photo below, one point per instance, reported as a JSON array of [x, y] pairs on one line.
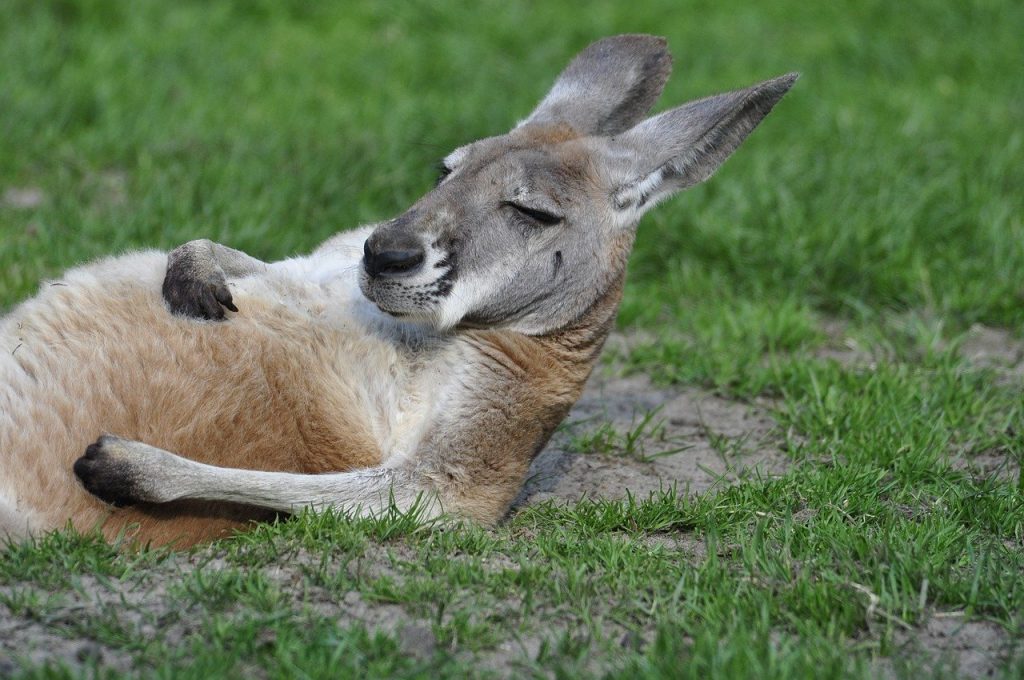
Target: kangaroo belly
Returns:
[[98, 352]]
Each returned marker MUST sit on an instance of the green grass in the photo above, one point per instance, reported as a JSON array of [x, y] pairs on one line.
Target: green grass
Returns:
[[882, 195], [632, 442]]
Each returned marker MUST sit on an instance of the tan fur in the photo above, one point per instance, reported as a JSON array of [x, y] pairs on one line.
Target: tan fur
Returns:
[[114, 360], [545, 135], [536, 380]]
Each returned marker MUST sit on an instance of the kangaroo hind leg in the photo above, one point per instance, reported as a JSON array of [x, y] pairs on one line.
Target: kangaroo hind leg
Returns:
[[124, 472]]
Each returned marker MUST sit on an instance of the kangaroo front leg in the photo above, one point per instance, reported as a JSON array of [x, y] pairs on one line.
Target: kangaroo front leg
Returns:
[[196, 281], [124, 472]]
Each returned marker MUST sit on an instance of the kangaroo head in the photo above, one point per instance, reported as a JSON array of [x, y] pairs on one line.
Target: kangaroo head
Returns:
[[527, 230]]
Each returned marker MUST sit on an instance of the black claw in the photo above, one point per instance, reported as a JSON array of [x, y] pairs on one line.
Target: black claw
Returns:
[[211, 308], [223, 296], [83, 466]]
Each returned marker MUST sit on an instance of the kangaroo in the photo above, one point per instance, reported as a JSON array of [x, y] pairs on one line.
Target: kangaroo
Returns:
[[420, 362]]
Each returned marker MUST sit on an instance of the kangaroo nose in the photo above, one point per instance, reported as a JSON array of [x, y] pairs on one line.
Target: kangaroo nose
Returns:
[[387, 257]]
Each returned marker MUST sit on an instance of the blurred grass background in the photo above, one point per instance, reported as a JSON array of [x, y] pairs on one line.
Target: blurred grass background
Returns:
[[889, 179]]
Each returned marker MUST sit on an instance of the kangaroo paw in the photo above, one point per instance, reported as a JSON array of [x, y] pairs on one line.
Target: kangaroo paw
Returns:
[[108, 472]]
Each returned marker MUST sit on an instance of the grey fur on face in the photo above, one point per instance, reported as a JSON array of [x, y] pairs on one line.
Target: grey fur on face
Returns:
[[526, 230]]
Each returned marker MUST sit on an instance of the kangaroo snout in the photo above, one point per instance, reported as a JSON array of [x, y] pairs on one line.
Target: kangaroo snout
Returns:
[[392, 254], [403, 273]]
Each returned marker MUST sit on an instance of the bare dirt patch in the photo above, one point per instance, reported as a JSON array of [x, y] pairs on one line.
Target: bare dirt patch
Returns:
[[987, 347], [840, 346], [23, 198], [49, 632], [995, 464], [36, 642], [76, 628], [951, 646], [65, 629], [692, 439], [999, 350], [980, 346]]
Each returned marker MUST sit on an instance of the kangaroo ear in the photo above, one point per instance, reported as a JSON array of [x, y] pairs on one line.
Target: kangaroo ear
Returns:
[[685, 145], [608, 87]]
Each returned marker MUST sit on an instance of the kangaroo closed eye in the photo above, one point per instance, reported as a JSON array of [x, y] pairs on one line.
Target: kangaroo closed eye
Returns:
[[537, 215]]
